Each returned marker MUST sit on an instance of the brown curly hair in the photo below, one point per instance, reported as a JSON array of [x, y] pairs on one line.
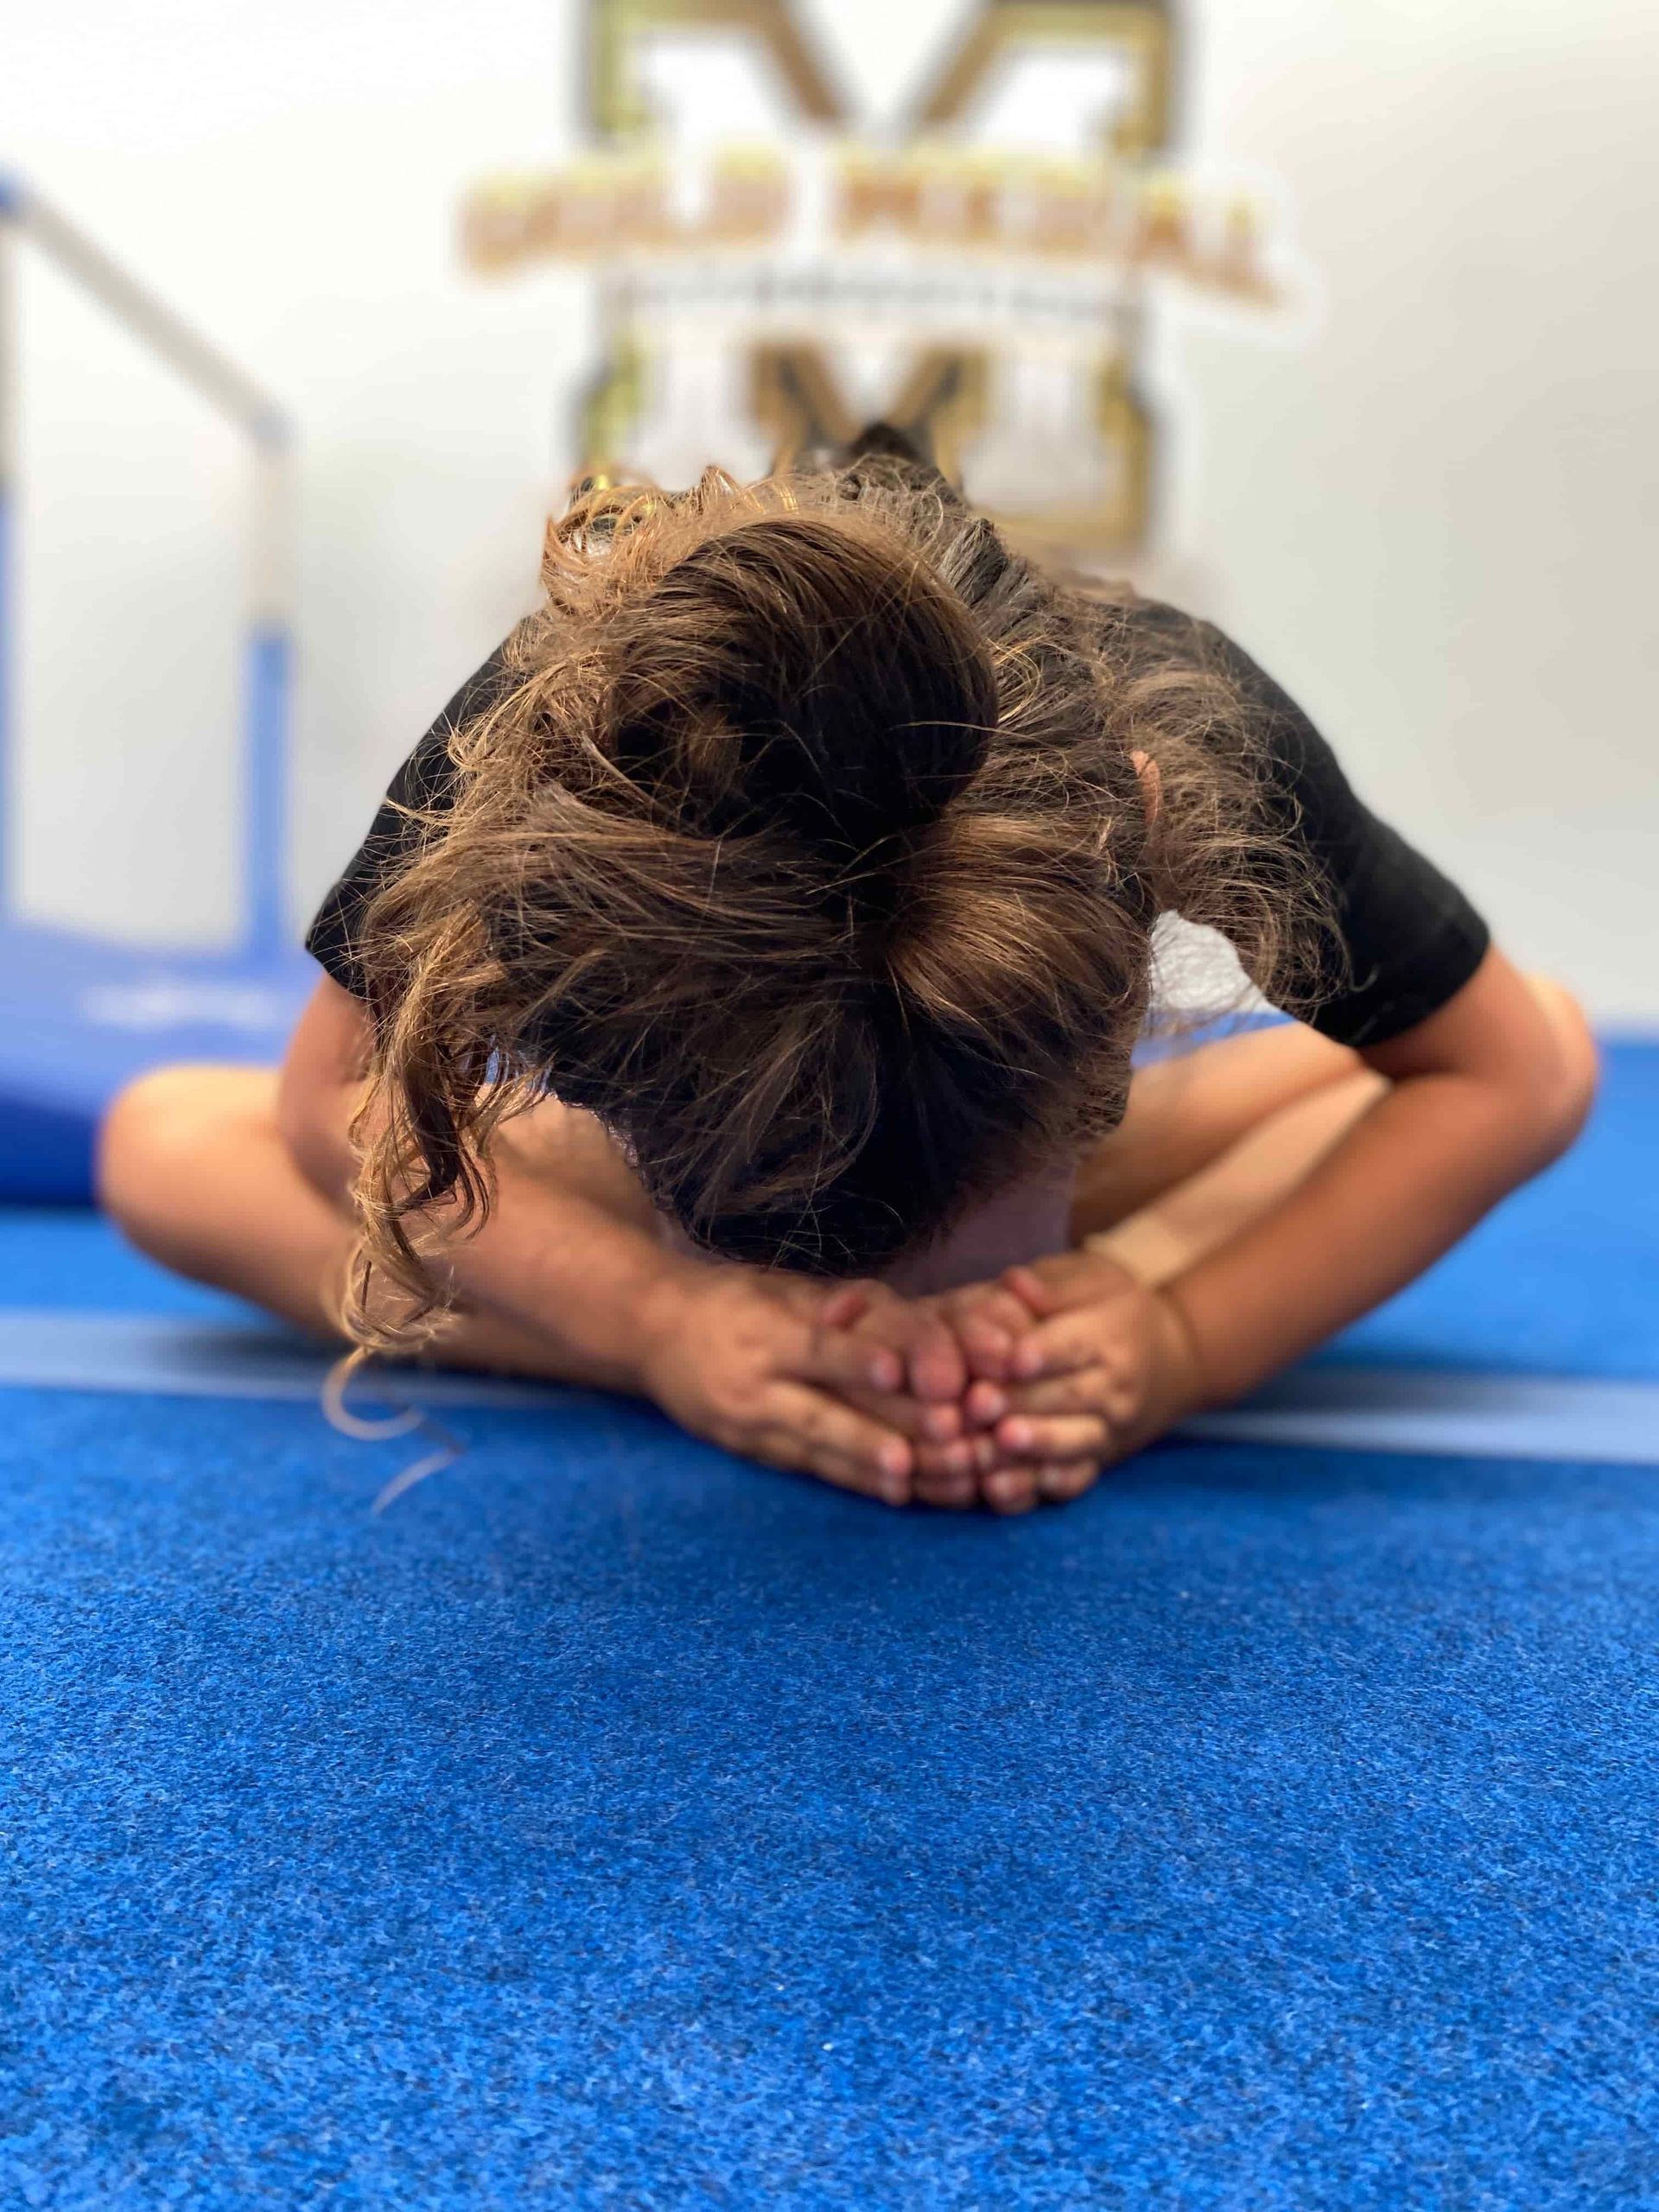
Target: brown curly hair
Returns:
[[804, 846]]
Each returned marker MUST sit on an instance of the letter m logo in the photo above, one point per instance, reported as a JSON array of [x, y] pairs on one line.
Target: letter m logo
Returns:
[[937, 261]]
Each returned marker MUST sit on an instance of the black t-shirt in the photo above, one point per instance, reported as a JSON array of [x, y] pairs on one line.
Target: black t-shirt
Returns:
[[1413, 939]]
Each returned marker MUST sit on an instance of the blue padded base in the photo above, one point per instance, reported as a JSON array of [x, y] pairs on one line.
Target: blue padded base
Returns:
[[79, 1018]]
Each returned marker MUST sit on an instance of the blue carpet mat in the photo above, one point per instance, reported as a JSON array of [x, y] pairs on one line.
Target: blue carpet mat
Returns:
[[612, 1825]]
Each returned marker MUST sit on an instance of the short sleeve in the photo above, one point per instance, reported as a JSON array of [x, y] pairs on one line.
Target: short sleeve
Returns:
[[1412, 939], [425, 782]]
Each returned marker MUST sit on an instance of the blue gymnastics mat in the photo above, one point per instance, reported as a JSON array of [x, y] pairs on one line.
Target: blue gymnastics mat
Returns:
[[612, 1824]]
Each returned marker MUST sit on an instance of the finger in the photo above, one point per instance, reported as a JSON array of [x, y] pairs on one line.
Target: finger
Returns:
[[954, 1497], [1010, 1489], [915, 1336], [922, 1423], [951, 1462], [843, 1473], [826, 1424], [1059, 1481], [1085, 1390], [844, 1306], [776, 1446], [841, 1361], [939, 1422], [986, 1403], [1057, 1436], [1056, 1347], [989, 1301], [1032, 1291], [988, 1323], [936, 1369], [973, 1455], [953, 1490]]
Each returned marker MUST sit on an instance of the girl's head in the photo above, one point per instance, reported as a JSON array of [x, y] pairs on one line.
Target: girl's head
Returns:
[[806, 849]]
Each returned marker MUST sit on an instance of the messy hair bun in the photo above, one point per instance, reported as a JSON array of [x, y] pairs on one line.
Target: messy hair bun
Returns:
[[804, 847], [801, 676]]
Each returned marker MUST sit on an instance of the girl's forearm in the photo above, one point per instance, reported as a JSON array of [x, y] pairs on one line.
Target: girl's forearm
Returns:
[[565, 1278], [590, 1287], [554, 1282], [1432, 1155]]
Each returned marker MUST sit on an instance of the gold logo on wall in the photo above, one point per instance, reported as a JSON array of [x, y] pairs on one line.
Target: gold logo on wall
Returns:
[[981, 272]]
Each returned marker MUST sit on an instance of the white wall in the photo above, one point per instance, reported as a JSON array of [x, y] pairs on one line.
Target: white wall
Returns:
[[1438, 520], [288, 180], [1433, 511]]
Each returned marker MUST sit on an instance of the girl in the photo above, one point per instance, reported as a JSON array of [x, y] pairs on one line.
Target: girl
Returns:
[[735, 1002]]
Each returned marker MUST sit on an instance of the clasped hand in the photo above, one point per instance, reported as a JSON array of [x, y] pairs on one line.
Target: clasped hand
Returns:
[[1004, 1393]]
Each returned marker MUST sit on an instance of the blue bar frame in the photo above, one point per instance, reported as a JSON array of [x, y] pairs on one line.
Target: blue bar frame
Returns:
[[266, 803]]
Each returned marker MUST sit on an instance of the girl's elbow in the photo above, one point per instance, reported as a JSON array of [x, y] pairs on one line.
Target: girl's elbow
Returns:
[[319, 1087], [1568, 1078], [313, 1118]]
